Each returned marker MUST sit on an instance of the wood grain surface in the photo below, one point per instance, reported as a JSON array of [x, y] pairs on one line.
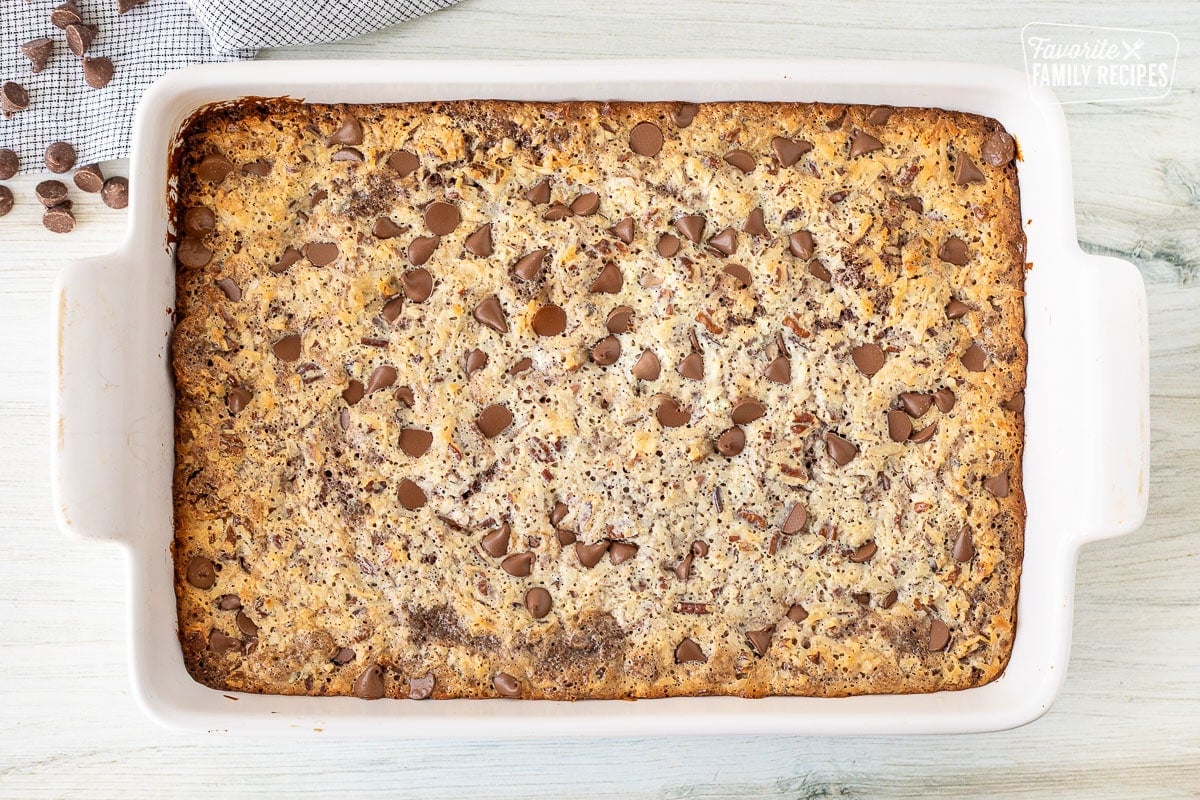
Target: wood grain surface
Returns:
[[1128, 721]]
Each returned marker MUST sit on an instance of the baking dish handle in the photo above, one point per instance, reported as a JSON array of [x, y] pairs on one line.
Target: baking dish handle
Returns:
[[87, 410], [1121, 392]]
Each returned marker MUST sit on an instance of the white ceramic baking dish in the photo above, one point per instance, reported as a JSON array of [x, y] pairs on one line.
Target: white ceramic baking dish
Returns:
[[1087, 433]]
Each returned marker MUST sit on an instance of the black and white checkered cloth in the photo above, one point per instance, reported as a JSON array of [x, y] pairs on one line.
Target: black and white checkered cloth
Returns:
[[145, 43]]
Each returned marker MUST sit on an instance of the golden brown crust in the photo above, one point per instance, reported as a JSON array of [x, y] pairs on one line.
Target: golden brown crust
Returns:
[[299, 514]]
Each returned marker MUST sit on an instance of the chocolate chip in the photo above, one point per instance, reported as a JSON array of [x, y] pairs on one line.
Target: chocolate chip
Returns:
[[229, 602], [869, 358], [914, 204], [410, 495], [606, 351], [405, 162], [198, 221], [493, 420], [259, 168], [231, 290], [245, 624], [668, 245], [724, 242], [50, 193], [699, 548], [796, 519], [683, 570], [944, 399], [740, 159], [964, 546], [671, 415], [287, 348], [418, 285], [915, 403], [747, 410], [939, 636], [862, 143], [760, 640], [115, 192], [620, 552], [645, 139], [354, 392], [692, 366], [369, 683], [862, 598], [538, 602], [420, 688], [800, 244], [966, 172], [558, 513], [623, 230], [404, 395], [837, 197], [214, 168], [442, 218], [349, 131], [788, 151], [38, 51], [79, 38], [415, 442], [384, 228], [479, 243], [495, 543], [490, 313], [754, 225], [691, 226], [90, 179], [956, 309], [506, 684], [683, 114], [13, 98], [519, 565], [476, 360], [863, 552], [842, 451], [382, 377], [60, 157], [66, 14], [344, 419], [731, 442], [689, 651], [998, 149], [647, 367], [797, 613], [954, 251], [421, 249], [521, 366], [222, 643], [819, 271], [392, 308], [549, 321], [998, 484], [879, 115], [343, 656], [1015, 403], [619, 320], [98, 72], [289, 257], [556, 212], [201, 572], [9, 163], [779, 370], [59, 219], [529, 266], [6, 200], [899, 425], [739, 272], [589, 555], [609, 281], [586, 204], [975, 359], [318, 196]]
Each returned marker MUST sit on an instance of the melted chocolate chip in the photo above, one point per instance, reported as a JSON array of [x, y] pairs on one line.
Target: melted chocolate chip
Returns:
[[506, 685], [418, 285], [731, 442], [670, 414], [549, 321], [668, 245], [925, 434], [495, 543], [964, 546], [415, 442], [214, 168], [349, 131], [229, 602], [476, 360], [479, 243], [796, 519], [245, 624], [620, 552], [321, 253], [915, 403], [442, 218], [606, 351], [954, 251], [779, 370], [869, 358], [589, 555], [539, 193], [688, 651], [538, 602], [201, 572], [493, 420], [800, 244], [609, 281], [760, 640], [956, 309], [354, 392], [819, 271], [410, 495], [740, 159], [975, 359], [683, 114], [288, 348], [724, 242], [966, 172], [422, 249], [369, 683], [862, 143], [421, 688], [788, 151], [740, 273], [405, 162], [998, 149], [692, 367], [343, 656], [645, 139], [586, 204], [199, 221], [1015, 403], [797, 613], [747, 410], [490, 313], [842, 451], [944, 400], [192, 252], [939, 636], [998, 484], [879, 115], [392, 308], [755, 224], [221, 643], [619, 320], [623, 230], [899, 425], [863, 552], [237, 398], [384, 228], [519, 565], [647, 367], [529, 266], [382, 377]]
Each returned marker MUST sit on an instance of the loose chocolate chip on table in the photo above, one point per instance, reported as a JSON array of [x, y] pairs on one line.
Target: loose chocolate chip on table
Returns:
[[538, 602], [476, 360], [349, 131], [192, 252], [724, 242], [66, 14], [519, 565], [287, 348], [691, 226], [671, 415], [410, 495], [369, 683], [490, 313], [420, 688], [863, 552], [13, 98], [201, 572], [755, 224], [493, 420], [731, 442], [998, 149], [645, 139], [60, 157], [6, 200], [740, 159], [760, 640], [529, 266], [539, 193], [495, 543], [221, 643], [964, 545], [668, 245], [506, 684], [421, 249], [50, 193], [619, 320], [689, 651], [746, 410], [620, 552], [586, 204], [442, 218], [1015, 403], [214, 168], [79, 38], [869, 358], [415, 442], [9, 163], [89, 179], [647, 367], [521, 366], [198, 221], [797, 613], [954, 251], [606, 351], [623, 230], [549, 321], [343, 656], [966, 172], [796, 519], [404, 162], [842, 451], [800, 244], [115, 192], [944, 399], [609, 281], [245, 624], [479, 243], [589, 555], [916, 403], [354, 392], [997, 484], [418, 285], [683, 115], [692, 367], [899, 425], [231, 290], [879, 115], [59, 219], [862, 143], [939, 636], [819, 271], [385, 228], [975, 359], [229, 602], [739, 272], [38, 51], [788, 151], [237, 399], [779, 370]]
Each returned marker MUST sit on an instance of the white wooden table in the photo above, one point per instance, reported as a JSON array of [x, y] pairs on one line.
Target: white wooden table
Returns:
[[1128, 722]]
